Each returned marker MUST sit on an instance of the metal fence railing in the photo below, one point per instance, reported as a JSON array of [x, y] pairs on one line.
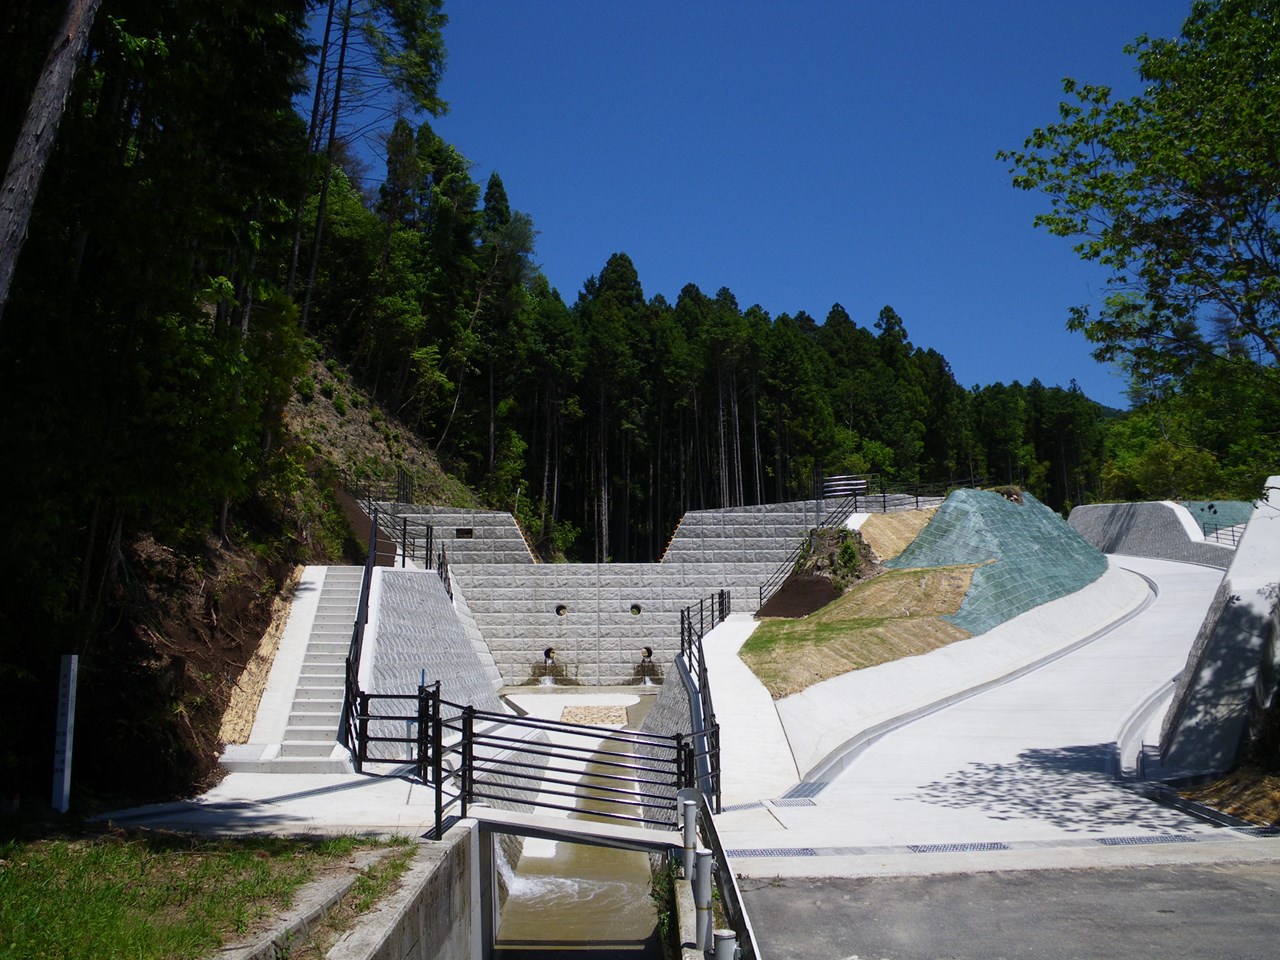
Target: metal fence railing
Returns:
[[696, 620], [468, 755], [351, 691]]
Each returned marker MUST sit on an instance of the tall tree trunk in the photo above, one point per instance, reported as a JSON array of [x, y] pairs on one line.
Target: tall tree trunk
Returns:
[[39, 131], [312, 148], [323, 204]]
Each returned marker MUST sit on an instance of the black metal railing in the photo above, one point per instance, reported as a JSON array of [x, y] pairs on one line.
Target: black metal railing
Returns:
[[696, 620], [371, 490], [1227, 534], [467, 755], [861, 493], [731, 902], [414, 537], [351, 692]]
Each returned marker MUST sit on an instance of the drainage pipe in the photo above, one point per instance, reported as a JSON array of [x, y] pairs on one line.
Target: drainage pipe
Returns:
[[702, 899], [690, 811]]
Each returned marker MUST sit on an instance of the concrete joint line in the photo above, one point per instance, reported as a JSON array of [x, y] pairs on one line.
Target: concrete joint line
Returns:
[[843, 756]]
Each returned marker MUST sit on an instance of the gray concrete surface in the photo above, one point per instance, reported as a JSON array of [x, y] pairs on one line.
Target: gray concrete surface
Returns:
[[1005, 777], [1222, 911], [1231, 670], [585, 612], [1163, 530]]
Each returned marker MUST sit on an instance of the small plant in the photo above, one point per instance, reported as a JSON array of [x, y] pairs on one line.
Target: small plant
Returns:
[[306, 388], [327, 390], [339, 406]]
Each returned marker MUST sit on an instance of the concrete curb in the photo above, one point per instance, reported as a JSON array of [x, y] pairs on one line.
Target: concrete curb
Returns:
[[314, 902], [396, 925], [840, 758]]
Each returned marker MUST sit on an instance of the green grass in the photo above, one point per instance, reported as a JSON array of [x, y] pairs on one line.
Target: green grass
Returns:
[[148, 895]]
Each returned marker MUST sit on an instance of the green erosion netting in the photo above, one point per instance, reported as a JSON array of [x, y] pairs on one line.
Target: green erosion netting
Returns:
[[1215, 514], [1037, 557]]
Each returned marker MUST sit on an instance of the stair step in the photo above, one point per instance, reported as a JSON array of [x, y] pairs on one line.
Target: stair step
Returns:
[[306, 748], [327, 733], [328, 718]]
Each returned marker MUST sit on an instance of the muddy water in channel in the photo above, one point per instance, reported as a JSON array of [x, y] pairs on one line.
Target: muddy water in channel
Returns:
[[569, 898]]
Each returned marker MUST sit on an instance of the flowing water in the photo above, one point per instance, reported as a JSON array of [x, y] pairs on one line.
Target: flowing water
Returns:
[[591, 902]]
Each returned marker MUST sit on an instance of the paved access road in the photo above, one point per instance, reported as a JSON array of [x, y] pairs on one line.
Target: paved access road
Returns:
[[1209, 912]]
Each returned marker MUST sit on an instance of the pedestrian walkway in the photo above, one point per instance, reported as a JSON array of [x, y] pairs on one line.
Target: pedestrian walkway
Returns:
[[1012, 773], [755, 757]]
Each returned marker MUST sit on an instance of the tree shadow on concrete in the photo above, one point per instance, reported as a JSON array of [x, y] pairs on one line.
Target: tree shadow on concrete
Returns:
[[1069, 787]]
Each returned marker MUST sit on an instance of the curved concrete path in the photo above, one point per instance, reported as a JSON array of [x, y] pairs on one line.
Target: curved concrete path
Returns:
[[1021, 772]]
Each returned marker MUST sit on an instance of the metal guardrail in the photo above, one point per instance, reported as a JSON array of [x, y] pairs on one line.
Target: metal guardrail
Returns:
[[731, 901], [442, 568], [351, 693], [695, 621], [1227, 534], [371, 490], [467, 755]]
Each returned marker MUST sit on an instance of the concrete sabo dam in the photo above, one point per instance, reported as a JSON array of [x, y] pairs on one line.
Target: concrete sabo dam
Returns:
[[1036, 744]]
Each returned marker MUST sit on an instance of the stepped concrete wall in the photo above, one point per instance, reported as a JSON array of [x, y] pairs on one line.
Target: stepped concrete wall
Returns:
[[1233, 665], [468, 536], [766, 532], [1163, 530], [585, 612]]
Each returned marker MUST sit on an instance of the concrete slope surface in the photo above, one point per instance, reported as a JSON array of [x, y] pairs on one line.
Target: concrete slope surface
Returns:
[[1016, 770]]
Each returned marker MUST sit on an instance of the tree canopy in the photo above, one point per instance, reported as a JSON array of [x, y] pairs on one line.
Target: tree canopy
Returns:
[[1177, 191]]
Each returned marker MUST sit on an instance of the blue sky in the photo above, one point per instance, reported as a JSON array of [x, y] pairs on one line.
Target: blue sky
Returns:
[[801, 154]]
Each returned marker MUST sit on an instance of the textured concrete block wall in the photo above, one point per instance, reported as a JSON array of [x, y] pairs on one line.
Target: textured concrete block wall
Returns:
[[468, 536], [585, 612], [1144, 530]]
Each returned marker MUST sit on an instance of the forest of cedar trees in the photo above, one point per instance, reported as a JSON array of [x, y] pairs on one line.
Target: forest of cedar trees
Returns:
[[205, 227]]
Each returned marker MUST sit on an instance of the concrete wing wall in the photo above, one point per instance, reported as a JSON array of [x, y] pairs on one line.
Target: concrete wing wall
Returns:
[[1146, 530], [1232, 666]]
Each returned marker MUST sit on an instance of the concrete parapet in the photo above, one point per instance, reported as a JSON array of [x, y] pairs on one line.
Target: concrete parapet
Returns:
[[1232, 669]]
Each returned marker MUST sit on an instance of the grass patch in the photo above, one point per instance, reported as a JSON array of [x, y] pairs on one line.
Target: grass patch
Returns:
[[150, 895], [370, 886], [1249, 793], [896, 615]]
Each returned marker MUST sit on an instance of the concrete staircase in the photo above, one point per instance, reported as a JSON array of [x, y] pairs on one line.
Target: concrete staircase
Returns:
[[312, 729]]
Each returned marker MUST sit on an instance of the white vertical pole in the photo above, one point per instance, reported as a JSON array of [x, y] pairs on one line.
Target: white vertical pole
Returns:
[[702, 900], [690, 835], [66, 732]]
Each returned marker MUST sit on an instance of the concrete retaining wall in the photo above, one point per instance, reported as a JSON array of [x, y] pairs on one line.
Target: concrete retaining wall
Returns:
[[1234, 661], [468, 536], [429, 917], [1147, 530], [585, 612]]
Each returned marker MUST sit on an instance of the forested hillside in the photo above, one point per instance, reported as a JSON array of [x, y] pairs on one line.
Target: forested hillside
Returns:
[[211, 221]]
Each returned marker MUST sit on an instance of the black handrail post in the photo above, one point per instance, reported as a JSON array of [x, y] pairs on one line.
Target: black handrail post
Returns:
[[424, 717], [437, 757], [362, 737], [404, 541], [468, 755], [681, 777]]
